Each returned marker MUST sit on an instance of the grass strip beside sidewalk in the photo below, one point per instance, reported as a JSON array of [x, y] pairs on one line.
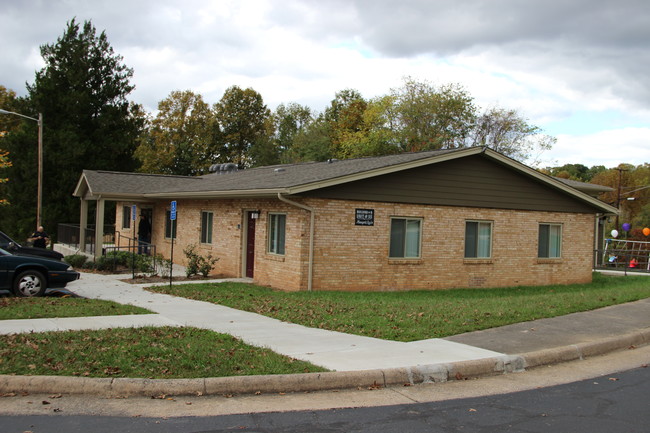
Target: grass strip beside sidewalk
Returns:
[[156, 353], [418, 315], [12, 308]]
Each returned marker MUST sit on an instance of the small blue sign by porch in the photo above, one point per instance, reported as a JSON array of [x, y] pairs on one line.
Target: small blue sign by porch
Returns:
[[134, 211], [172, 214]]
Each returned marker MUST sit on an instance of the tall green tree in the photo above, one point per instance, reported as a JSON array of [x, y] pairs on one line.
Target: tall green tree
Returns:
[[181, 138], [429, 117], [243, 119], [88, 122], [313, 143], [376, 134], [288, 121]]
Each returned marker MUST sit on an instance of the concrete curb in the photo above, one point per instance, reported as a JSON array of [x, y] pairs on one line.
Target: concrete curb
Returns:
[[124, 387]]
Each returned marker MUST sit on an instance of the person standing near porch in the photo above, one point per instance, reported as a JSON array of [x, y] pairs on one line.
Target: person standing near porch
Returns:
[[40, 238], [144, 235]]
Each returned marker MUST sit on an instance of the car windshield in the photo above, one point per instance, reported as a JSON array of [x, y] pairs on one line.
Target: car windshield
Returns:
[[6, 240]]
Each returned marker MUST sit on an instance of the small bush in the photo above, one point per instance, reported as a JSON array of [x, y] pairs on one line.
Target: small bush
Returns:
[[105, 263], [197, 264], [89, 265], [162, 266], [76, 260], [143, 264]]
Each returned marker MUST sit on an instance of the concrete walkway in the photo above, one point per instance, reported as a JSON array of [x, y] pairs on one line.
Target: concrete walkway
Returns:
[[332, 350], [356, 361]]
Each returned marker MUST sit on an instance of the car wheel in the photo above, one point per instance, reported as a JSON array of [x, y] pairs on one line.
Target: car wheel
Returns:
[[29, 284]]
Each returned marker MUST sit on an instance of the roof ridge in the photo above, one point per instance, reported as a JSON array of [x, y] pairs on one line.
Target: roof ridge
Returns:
[[130, 173]]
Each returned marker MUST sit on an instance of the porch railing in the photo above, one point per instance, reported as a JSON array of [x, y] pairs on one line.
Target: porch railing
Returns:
[[69, 234]]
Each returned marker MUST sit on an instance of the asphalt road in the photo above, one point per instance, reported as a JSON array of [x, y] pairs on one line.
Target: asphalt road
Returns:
[[615, 402]]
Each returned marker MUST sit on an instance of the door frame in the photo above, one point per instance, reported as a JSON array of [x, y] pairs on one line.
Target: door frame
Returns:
[[246, 215]]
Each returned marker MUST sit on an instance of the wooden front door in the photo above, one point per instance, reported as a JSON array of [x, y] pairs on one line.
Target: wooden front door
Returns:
[[250, 245]]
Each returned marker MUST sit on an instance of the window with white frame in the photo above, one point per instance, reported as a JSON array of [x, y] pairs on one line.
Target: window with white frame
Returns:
[[206, 227], [126, 217], [549, 245], [276, 233], [405, 235], [478, 239], [170, 226]]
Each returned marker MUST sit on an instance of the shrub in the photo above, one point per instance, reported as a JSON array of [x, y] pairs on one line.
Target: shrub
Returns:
[[197, 264], [143, 263], [162, 265], [76, 260], [105, 263]]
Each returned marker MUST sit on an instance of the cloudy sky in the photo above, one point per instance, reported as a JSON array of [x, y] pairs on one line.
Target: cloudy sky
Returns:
[[579, 69]]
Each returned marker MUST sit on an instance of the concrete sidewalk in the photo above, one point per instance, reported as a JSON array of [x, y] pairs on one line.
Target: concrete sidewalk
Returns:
[[332, 350], [363, 359]]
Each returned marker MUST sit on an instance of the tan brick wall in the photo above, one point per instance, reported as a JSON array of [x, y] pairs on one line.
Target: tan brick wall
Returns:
[[349, 257], [360, 253], [228, 234]]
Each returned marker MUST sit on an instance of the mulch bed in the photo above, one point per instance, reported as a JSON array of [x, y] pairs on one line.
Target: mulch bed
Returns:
[[143, 279]]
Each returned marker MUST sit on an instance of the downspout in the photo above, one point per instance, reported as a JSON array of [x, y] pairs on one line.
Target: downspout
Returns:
[[312, 213], [597, 240]]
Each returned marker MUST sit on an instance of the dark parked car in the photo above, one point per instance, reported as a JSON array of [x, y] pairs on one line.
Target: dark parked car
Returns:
[[8, 244], [30, 275]]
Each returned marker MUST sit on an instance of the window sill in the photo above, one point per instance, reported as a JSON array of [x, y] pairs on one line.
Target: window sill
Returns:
[[414, 261], [549, 261], [478, 261], [274, 257]]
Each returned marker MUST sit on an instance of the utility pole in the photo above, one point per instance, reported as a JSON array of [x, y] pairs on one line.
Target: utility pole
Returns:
[[618, 196]]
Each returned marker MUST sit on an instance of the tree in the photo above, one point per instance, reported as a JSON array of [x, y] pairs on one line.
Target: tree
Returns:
[[242, 116], [507, 132], [7, 98], [4, 163], [288, 121], [181, 139], [88, 124], [376, 135], [429, 118], [577, 172], [312, 143], [631, 192]]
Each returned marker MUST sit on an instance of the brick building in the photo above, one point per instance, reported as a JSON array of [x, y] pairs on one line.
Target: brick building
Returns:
[[429, 220]]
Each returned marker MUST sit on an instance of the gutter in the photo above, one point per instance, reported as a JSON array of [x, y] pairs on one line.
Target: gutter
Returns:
[[312, 212]]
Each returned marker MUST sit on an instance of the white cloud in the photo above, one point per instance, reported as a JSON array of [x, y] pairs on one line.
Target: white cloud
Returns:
[[559, 63], [609, 148]]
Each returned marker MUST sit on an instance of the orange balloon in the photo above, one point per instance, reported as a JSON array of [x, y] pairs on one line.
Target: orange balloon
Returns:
[[646, 231]]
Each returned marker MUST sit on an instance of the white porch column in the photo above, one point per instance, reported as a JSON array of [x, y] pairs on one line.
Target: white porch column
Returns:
[[83, 225], [99, 227]]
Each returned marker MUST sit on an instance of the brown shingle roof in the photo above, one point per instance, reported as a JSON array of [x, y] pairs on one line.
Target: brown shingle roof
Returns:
[[271, 178]]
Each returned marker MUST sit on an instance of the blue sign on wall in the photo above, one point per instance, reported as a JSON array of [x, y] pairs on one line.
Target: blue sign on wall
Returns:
[[172, 214], [133, 212]]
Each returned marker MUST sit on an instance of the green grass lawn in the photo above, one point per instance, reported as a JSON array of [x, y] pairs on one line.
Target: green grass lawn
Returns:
[[418, 315], [155, 353], [48, 307]]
